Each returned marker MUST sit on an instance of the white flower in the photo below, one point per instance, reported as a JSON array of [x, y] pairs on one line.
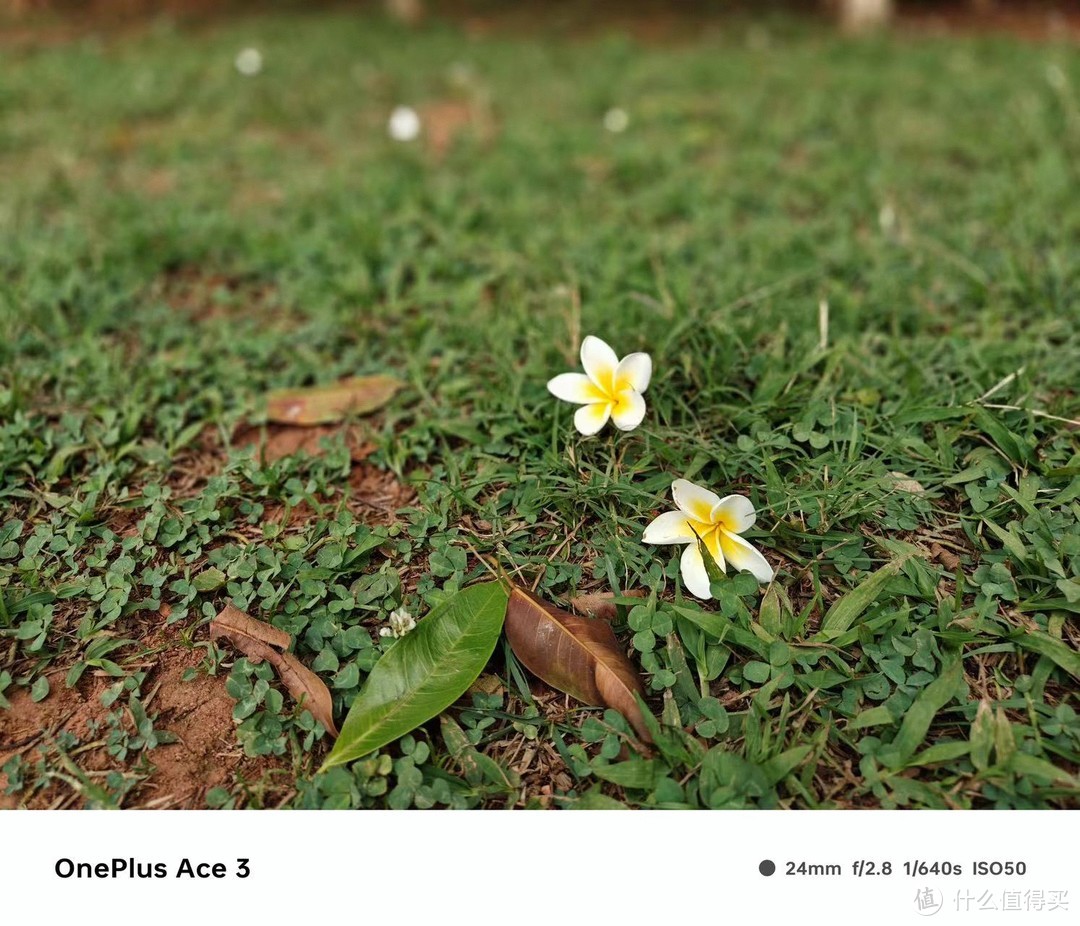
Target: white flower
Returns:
[[401, 622], [616, 120], [404, 124], [718, 522], [249, 62], [609, 388]]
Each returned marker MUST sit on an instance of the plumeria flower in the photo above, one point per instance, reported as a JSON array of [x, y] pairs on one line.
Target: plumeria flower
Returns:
[[401, 622], [609, 388], [249, 62], [404, 124], [616, 120], [718, 522]]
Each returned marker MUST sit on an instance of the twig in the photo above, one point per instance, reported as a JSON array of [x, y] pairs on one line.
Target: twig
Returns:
[[1005, 382], [1036, 413]]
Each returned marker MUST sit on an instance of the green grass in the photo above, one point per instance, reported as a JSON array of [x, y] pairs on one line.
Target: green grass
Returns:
[[923, 188]]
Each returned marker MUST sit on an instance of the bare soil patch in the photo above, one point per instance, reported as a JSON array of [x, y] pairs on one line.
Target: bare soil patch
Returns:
[[206, 753], [207, 296]]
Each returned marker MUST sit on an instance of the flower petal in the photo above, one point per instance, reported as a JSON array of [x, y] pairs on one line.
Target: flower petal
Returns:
[[694, 576], [600, 363], [694, 500], [575, 387], [591, 418], [734, 513], [712, 544], [670, 527], [745, 557], [628, 410], [635, 371]]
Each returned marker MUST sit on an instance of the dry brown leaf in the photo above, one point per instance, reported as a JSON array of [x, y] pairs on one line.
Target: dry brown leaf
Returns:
[[602, 604], [446, 121], [277, 441], [904, 483], [578, 656], [234, 624], [949, 560], [359, 395], [260, 641]]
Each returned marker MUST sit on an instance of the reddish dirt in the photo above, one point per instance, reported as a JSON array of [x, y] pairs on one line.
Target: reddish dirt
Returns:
[[445, 121], [36, 23], [1031, 22], [199, 713], [207, 296], [539, 765], [377, 494]]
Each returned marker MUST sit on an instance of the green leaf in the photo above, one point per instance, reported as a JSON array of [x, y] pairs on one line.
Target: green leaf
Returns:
[[1070, 588], [941, 752], [723, 629], [597, 800], [40, 689], [712, 568], [1034, 767], [920, 715], [779, 767], [773, 609], [872, 717], [639, 774], [1004, 738], [849, 609], [1015, 447], [756, 672], [209, 580], [1045, 645], [424, 672], [982, 735]]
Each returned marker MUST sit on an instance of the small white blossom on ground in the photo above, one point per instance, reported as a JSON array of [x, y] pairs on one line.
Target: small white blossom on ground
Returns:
[[249, 62], [717, 522], [404, 124], [401, 622], [609, 388], [616, 120]]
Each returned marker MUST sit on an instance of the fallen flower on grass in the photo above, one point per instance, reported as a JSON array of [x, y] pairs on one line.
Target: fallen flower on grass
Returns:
[[401, 622], [716, 522], [404, 124], [609, 387], [249, 62], [616, 120]]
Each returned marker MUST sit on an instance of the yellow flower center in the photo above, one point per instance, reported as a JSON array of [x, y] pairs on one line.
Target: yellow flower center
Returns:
[[615, 394]]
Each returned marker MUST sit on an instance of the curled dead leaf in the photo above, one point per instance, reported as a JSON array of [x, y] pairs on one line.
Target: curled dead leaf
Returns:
[[578, 656], [261, 641], [359, 395], [947, 559]]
